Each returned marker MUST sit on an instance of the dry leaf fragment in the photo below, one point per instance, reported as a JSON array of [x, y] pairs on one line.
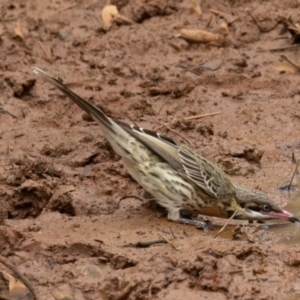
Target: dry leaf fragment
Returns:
[[18, 31], [16, 287], [17, 290], [46, 53], [110, 14], [87, 270], [195, 7], [288, 66], [61, 295], [220, 39], [212, 65], [293, 28]]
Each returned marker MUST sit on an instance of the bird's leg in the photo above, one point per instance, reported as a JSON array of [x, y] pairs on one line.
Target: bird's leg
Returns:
[[187, 215], [175, 216]]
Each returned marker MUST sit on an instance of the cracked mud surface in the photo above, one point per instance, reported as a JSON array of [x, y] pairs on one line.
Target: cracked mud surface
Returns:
[[60, 182]]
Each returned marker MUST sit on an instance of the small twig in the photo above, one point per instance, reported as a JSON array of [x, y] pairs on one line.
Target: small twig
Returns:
[[9, 157], [228, 18], [290, 62], [7, 112], [61, 114], [289, 186], [66, 8], [130, 196], [3, 215], [165, 102], [3, 12], [46, 53], [175, 47], [172, 232], [217, 12], [211, 18], [201, 116], [26, 282], [160, 126], [225, 225], [124, 294], [176, 132], [262, 30], [145, 244], [52, 167], [168, 241], [189, 118], [150, 286], [235, 271], [255, 21], [280, 49], [131, 120], [22, 112], [3, 165]]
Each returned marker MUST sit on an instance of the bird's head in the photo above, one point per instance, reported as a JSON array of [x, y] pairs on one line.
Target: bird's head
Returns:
[[255, 205], [264, 211]]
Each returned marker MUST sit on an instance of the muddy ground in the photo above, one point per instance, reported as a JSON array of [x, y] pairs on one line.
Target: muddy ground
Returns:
[[60, 182]]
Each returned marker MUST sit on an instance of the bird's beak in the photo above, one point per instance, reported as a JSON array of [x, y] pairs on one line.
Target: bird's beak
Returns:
[[248, 214], [284, 215]]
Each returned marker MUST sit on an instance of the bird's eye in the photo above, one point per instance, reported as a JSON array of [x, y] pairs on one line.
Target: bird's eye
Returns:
[[266, 207]]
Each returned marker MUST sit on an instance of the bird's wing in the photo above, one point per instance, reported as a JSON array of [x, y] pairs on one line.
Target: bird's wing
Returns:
[[206, 176]]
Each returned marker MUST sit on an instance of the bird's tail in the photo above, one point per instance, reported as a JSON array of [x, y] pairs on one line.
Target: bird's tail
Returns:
[[93, 111]]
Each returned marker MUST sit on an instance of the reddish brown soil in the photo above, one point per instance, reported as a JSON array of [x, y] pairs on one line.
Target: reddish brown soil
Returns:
[[60, 182]]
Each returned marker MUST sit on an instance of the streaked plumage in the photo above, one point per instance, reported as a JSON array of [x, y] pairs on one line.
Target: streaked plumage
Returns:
[[178, 178]]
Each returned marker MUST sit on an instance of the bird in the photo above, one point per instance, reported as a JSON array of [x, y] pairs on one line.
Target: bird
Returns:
[[179, 179]]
